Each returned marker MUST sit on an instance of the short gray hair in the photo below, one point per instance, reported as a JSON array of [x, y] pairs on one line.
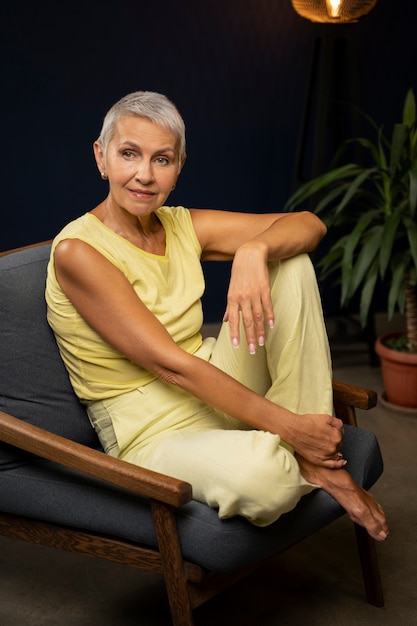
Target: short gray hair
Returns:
[[150, 105]]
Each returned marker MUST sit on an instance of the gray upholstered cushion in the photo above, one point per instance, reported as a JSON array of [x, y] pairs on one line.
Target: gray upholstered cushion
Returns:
[[34, 384]]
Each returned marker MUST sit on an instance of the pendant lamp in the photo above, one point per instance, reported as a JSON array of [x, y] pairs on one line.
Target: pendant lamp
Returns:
[[333, 11]]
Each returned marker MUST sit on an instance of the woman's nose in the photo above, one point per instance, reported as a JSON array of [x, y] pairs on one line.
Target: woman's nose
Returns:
[[144, 173]]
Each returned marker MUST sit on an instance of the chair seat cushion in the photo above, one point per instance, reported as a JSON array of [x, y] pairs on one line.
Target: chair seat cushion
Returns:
[[44, 490]]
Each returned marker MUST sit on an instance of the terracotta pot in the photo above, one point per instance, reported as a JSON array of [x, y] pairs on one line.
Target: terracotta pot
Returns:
[[399, 373]]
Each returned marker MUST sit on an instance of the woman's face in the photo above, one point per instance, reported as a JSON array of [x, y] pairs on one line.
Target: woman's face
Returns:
[[142, 165]]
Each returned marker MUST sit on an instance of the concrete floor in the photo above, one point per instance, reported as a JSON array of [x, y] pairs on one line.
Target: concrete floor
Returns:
[[316, 583]]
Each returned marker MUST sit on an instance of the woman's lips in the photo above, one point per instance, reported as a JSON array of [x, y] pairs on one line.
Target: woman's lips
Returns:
[[142, 193]]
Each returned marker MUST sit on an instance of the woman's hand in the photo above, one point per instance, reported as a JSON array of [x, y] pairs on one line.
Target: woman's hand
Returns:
[[318, 439], [249, 295]]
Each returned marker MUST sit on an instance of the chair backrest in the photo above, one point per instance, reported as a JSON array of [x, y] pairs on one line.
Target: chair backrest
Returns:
[[34, 384]]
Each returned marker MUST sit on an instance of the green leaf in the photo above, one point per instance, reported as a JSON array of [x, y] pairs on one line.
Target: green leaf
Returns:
[[413, 188], [328, 199], [399, 138], [368, 292], [387, 240], [382, 161], [412, 238], [320, 182], [331, 262], [370, 146], [413, 143], [365, 258], [409, 113], [335, 253], [353, 188], [349, 248], [397, 288]]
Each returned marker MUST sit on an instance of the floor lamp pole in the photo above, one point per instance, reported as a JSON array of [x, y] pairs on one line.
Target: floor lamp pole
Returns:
[[329, 114]]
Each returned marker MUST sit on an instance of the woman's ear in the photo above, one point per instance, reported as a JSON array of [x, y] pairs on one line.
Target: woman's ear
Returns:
[[99, 156]]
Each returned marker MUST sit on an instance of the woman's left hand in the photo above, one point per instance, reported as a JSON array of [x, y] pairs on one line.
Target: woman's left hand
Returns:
[[249, 296]]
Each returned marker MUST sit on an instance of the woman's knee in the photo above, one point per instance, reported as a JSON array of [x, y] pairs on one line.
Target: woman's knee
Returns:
[[292, 271], [295, 292]]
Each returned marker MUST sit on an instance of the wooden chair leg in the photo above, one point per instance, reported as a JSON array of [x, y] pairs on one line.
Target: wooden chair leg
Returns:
[[173, 564], [370, 567]]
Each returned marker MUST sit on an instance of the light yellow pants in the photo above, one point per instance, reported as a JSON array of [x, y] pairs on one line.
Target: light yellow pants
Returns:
[[232, 468]]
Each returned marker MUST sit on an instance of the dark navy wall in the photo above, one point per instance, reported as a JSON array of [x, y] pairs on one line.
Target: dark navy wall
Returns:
[[237, 70]]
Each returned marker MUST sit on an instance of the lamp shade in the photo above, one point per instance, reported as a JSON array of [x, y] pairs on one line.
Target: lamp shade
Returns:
[[333, 11]]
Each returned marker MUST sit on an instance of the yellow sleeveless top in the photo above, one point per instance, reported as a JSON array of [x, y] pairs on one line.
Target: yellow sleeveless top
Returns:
[[170, 286]]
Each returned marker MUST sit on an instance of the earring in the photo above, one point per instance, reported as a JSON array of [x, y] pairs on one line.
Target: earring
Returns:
[[104, 176]]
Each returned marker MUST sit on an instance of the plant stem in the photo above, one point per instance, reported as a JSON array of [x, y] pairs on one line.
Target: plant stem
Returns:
[[411, 315]]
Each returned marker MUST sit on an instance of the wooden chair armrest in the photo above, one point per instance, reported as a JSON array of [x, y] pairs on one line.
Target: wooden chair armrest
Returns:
[[29, 246], [93, 462], [347, 398], [351, 395]]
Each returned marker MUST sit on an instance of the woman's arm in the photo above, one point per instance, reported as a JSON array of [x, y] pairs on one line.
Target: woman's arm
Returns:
[[252, 240], [280, 235], [108, 303]]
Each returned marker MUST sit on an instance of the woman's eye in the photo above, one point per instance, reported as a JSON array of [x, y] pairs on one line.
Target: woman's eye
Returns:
[[128, 154], [162, 160]]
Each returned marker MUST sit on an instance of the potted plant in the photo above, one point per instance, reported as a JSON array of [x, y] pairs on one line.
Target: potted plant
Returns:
[[370, 209]]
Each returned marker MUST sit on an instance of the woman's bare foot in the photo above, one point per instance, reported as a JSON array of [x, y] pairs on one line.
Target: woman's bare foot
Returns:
[[360, 505]]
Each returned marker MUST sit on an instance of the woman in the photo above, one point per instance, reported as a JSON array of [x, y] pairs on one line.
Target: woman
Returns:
[[245, 418]]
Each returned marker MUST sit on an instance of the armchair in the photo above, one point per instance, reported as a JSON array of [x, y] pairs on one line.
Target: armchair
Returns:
[[59, 489]]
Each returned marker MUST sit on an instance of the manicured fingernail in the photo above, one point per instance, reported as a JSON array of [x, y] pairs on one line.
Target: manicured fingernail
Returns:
[[261, 341], [271, 323], [252, 348], [235, 342]]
